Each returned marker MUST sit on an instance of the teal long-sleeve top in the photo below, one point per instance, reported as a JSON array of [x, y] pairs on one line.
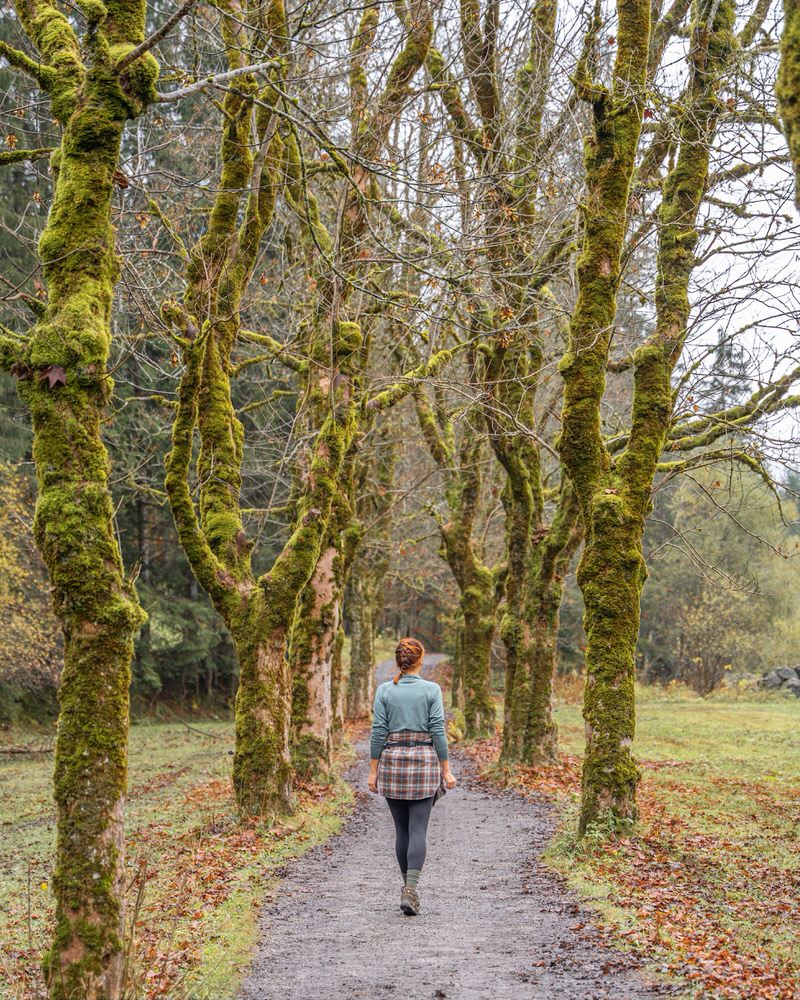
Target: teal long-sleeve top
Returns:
[[413, 703]]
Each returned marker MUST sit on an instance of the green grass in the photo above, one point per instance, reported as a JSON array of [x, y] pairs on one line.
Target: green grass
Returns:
[[204, 874], [707, 886], [720, 749]]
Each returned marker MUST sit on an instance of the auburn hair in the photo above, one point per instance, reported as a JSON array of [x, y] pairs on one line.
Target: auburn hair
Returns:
[[408, 654]]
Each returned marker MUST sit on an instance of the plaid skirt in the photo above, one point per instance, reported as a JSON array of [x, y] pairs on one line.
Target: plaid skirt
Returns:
[[408, 772]]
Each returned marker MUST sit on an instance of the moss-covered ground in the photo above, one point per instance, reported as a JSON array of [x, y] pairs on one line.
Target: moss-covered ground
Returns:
[[196, 876], [706, 887]]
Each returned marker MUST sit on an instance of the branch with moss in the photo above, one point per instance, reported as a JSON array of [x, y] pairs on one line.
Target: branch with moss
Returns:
[[754, 23], [445, 84], [167, 223], [374, 128], [664, 30], [56, 41], [766, 399], [205, 566], [408, 382], [152, 40], [25, 155], [40, 72], [705, 458]]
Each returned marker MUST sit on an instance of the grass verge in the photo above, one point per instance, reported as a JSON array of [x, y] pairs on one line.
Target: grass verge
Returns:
[[706, 887], [196, 876]]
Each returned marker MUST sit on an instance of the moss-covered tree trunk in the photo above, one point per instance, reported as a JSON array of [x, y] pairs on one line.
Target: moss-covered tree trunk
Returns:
[[318, 704], [338, 688], [64, 379], [461, 465], [477, 606], [314, 637], [513, 356], [262, 769], [529, 731], [611, 572], [319, 688], [787, 89], [615, 495], [260, 160], [360, 611], [371, 550], [457, 680], [259, 612]]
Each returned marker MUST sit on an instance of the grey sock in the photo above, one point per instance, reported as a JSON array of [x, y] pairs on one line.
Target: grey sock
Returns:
[[413, 877]]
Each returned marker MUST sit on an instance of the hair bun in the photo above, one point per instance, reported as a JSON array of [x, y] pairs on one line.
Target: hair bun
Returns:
[[408, 654]]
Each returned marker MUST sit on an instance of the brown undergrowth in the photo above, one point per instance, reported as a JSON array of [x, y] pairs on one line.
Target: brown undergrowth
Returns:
[[196, 875]]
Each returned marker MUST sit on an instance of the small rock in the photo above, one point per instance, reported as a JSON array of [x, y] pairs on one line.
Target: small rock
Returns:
[[771, 681], [786, 673], [793, 685]]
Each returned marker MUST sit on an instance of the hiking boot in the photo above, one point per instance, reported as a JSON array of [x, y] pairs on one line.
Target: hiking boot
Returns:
[[409, 901]]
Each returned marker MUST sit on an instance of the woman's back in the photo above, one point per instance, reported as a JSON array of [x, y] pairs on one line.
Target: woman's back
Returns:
[[412, 704]]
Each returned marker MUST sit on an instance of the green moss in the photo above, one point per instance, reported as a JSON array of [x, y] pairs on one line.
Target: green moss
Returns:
[[348, 338], [530, 734], [310, 757], [261, 765], [787, 89], [314, 634], [478, 610], [74, 529], [610, 571]]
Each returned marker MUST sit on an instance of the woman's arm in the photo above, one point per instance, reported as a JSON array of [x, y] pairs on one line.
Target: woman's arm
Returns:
[[438, 733], [377, 740]]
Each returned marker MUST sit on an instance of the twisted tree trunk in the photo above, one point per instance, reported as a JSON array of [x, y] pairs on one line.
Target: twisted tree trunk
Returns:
[[477, 605], [312, 654], [319, 686], [529, 731], [615, 494], [611, 571], [64, 379]]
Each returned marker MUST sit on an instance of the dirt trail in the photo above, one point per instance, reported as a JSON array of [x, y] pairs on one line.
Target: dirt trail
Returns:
[[494, 923]]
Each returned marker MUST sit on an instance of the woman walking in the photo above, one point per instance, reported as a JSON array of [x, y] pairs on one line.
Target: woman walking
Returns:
[[408, 761]]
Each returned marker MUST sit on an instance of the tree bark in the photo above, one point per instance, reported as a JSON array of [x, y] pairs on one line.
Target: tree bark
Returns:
[[360, 682], [529, 733], [478, 601], [611, 571], [368, 566], [314, 636], [64, 380], [317, 657], [479, 594], [787, 88], [615, 495], [262, 769], [258, 612]]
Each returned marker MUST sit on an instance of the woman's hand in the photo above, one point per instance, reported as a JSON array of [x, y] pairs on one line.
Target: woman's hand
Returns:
[[372, 781], [448, 777]]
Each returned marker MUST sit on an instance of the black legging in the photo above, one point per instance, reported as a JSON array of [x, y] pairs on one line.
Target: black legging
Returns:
[[410, 826]]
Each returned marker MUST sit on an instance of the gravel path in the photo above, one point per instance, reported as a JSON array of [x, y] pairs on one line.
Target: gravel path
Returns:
[[494, 923]]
